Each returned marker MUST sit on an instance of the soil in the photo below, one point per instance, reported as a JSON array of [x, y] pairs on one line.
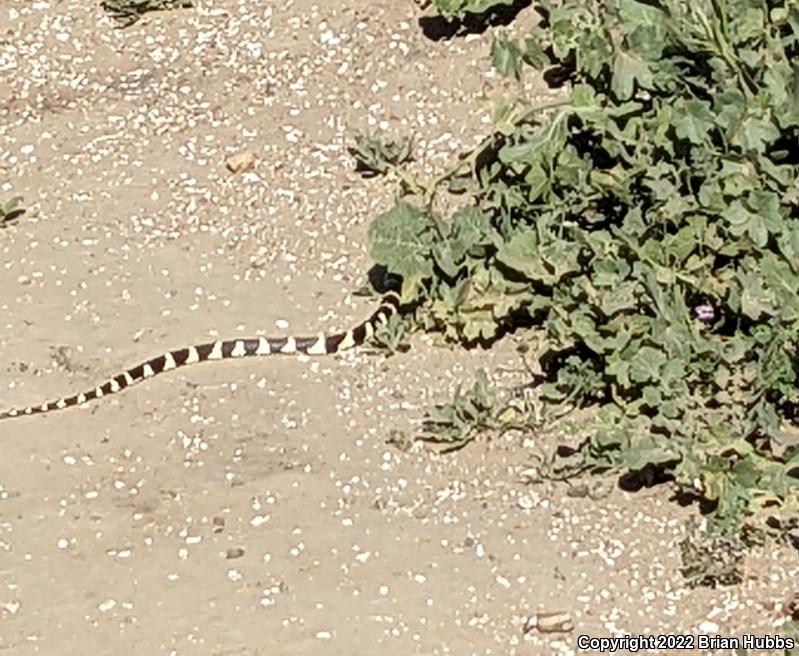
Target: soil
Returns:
[[259, 506]]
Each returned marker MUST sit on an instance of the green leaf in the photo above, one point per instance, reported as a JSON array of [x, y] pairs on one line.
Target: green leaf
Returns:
[[755, 299], [534, 53], [521, 252], [452, 8], [646, 364], [646, 453], [742, 221], [471, 227], [755, 135], [584, 96], [629, 69], [11, 209], [401, 240], [506, 57], [693, 120]]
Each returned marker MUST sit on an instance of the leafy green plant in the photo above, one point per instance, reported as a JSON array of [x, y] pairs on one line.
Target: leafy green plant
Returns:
[[711, 558], [376, 155], [648, 225], [127, 12], [455, 423], [392, 337], [11, 210], [791, 630], [452, 8]]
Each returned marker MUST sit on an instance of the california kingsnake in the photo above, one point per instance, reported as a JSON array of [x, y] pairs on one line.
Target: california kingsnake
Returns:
[[219, 350]]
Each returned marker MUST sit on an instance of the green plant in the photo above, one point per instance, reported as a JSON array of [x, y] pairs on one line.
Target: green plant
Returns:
[[452, 8], [791, 630], [11, 210], [455, 423], [377, 155], [711, 558], [127, 12], [648, 224]]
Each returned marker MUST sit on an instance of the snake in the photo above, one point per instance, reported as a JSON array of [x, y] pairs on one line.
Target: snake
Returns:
[[221, 350]]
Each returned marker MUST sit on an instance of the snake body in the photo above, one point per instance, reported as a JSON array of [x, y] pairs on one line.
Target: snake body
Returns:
[[221, 350]]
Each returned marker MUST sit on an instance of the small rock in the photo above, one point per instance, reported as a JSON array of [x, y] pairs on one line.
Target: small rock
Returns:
[[578, 491], [531, 475], [708, 628], [241, 161], [557, 622]]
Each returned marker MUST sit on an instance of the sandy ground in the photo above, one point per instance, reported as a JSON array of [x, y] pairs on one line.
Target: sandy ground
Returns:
[[255, 507]]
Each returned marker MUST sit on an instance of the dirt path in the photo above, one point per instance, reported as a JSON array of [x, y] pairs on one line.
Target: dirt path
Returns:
[[254, 507]]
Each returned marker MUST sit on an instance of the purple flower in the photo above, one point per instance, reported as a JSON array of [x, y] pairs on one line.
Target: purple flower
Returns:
[[704, 313]]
